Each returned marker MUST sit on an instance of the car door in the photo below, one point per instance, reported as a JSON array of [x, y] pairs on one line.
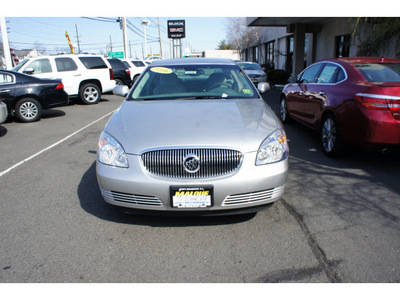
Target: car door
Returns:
[[67, 70], [40, 67], [7, 88], [300, 91], [319, 93]]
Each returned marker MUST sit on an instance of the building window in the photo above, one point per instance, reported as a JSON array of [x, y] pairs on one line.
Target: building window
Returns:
[[269, 61], [342, 44], [255, 54]]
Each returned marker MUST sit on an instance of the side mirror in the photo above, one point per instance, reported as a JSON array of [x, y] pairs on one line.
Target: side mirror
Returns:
[[292, 79], [263, 87], [29, 71], [121, 90]]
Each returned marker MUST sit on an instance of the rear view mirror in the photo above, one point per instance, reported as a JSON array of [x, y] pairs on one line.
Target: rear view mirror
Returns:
[[29, 71], [292, 79], [263, 87], [121, 90]]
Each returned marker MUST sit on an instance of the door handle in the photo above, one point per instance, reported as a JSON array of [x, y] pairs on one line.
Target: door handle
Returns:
[[77, 75], [4, 91]]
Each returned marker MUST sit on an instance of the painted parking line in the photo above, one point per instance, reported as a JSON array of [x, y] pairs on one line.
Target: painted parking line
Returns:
[[54, 145]]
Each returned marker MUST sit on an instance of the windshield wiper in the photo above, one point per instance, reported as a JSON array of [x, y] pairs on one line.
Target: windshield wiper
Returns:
[[201, 97]]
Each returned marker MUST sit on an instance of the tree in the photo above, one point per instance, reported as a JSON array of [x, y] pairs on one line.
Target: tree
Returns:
[[41, 48], [224, 45], [240, 36], [376, 36]]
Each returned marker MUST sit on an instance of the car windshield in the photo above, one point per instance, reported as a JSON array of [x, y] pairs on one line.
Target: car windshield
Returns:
[[380, 72], [193, 82], [246, 66], [19, 66]]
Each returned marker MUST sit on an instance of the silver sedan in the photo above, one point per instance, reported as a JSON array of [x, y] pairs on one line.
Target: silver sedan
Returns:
[[193, 136]]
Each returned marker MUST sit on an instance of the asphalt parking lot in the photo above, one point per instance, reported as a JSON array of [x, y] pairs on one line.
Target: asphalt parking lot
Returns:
[[338, 220]]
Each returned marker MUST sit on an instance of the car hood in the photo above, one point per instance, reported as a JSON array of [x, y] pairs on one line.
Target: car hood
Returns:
[[254, 72], [236, 124]]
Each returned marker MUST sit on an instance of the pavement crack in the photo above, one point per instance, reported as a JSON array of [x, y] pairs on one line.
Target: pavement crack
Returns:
[[327, 266]]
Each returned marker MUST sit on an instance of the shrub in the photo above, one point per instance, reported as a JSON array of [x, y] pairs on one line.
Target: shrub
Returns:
[[277, 76]]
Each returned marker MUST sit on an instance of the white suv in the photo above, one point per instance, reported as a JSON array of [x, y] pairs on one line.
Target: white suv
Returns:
[[83, 75], [135, 66]]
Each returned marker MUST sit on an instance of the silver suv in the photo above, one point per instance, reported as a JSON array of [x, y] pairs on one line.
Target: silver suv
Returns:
[[83, 75]]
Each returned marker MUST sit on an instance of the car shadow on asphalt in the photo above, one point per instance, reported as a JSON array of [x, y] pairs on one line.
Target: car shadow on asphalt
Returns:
[[93, 203], [52, 113], [77, 101], [3, 131]]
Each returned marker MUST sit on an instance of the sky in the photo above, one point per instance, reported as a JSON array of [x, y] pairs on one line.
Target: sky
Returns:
[[45, 21], [101, 33]]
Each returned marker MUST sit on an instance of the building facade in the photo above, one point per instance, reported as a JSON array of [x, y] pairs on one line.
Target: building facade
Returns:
[[293, 43]]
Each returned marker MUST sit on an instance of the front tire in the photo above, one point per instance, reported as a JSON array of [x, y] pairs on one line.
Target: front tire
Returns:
[[28, 110], [331, 139], [89, 93]]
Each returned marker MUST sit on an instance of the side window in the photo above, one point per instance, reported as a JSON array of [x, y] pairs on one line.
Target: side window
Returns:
[[65, 64], [126, 64], [93, 62], [6, 78], [310, 74], [340, 75], [328, 74], [40, 66], [138, 63]]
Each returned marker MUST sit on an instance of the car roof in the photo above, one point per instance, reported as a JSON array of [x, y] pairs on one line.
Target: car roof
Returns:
[[193, 61], [360, 60]]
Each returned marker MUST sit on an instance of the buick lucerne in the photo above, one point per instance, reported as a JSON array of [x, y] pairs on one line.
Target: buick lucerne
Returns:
[[193, 136]]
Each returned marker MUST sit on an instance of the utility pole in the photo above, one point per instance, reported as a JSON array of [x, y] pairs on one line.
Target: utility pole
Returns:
[[159, 36], [6, 44], [145, 23], [123, 25], [110, 44], [77, 39]]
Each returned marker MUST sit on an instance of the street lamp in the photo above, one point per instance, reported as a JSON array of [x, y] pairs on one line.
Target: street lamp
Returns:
[[145, 23]]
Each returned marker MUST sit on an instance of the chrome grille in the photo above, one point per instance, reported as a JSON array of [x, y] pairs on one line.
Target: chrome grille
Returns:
[[255, 197], [170, 162], [131, 198]]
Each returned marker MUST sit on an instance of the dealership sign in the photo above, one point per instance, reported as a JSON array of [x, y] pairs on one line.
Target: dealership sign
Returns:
[[176, 29]]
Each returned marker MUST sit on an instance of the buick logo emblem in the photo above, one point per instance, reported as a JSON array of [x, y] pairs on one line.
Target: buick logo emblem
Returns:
[[191, 163]]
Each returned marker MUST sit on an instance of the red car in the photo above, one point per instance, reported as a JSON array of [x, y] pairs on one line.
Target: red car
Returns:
[[350, 101]]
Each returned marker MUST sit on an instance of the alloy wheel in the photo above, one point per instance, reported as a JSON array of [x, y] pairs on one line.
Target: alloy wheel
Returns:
[[29, 110], [91, 94], [283, 110], [329, 135]]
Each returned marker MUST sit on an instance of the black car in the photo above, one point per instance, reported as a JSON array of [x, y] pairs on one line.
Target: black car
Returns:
[[122, 75], [28, 95]]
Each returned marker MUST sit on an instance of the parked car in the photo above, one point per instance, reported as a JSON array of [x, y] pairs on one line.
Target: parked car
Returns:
[[193, 136], [83, 75], [254, 71], [351, 101], [150, 59], [122, 75], [135, 66], [3, 111], [28, 95]]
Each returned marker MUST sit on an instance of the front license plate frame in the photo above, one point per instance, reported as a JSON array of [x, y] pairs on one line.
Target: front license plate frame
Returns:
[[186, 197]]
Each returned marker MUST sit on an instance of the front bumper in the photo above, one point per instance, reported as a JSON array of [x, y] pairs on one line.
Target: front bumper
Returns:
[[3, 112], [251, 187]]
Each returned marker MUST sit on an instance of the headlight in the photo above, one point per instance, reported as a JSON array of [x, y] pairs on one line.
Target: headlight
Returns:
[[274, 148], [110, 151]]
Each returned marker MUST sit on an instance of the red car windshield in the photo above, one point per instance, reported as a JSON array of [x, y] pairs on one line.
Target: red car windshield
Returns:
[[380, 72]]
